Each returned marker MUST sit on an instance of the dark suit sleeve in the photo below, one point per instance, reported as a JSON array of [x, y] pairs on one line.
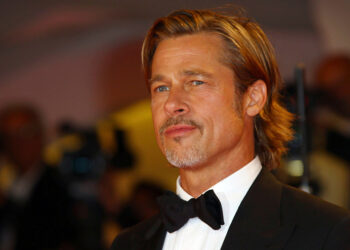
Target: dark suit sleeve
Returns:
[[114, 244], [339, 237], [148, 234], [122, 243]]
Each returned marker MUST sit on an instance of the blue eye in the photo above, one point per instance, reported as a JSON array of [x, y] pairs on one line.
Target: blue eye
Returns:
[[161, 88], [195, 82]]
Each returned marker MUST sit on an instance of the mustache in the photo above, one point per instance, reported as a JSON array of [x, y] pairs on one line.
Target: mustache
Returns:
[[179, 120]]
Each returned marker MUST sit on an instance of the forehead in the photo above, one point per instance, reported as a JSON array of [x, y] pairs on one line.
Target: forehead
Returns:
[[194, 49]]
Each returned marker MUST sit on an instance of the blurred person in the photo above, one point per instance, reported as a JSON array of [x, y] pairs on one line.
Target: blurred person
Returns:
[[141, 205], [330, 128], [332, 105], [217, 115], [118, 215], [110, 207], [332, 78], [36, 207]]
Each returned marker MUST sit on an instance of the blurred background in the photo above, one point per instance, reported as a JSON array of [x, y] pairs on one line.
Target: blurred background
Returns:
[[78, 157]]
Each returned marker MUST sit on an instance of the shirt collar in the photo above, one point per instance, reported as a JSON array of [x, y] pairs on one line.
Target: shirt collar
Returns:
[[237, 183]]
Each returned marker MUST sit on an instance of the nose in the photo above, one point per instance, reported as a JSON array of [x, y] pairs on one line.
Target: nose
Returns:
[[176, 104]]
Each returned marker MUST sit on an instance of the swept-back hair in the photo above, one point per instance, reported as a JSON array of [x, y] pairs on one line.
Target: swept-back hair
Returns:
[[248, 52]]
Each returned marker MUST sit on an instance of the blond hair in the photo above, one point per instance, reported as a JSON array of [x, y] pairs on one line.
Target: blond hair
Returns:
[[249, 54]]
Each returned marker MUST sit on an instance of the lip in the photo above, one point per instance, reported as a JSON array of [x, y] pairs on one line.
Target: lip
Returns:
[[178, 130]]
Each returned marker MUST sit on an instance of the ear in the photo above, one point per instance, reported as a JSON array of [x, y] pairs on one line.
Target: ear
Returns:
[[255, 98]]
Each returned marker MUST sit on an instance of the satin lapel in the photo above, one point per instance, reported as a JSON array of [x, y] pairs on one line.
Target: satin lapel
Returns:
[[154, 237], [257, 223]]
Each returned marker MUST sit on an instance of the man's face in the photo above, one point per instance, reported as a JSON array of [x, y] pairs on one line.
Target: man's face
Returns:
[[194, 104], [23, 140]]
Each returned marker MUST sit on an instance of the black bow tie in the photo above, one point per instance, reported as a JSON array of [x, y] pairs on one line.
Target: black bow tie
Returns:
[[175, 212]]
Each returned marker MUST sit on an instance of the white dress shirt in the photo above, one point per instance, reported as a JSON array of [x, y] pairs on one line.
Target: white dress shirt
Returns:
[[197, 235]]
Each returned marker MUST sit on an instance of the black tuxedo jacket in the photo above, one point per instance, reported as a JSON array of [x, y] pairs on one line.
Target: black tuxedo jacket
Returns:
[[271, 216]]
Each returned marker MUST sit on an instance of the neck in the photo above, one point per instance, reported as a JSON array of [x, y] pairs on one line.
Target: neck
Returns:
[[198, 179]]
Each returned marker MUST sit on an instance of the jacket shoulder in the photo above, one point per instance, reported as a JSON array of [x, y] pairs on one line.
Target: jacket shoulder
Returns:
[[317, 218], [311, 209]]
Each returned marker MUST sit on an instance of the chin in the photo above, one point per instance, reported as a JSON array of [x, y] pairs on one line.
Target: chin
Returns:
[[189, 158]]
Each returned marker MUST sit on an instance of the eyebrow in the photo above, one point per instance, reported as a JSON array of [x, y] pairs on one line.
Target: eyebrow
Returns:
[[160, 78], [157, 78], [196, 73]]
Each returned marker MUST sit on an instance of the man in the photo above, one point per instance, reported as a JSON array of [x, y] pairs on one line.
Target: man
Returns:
[[35, 210], [332, 111], [214, 86]]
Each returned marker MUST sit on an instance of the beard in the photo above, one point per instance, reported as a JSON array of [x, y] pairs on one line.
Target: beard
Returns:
[[185, 157]]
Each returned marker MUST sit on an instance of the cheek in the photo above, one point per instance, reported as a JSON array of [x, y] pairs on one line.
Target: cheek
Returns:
[[158, 120], [228, 120], [156, 116]]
